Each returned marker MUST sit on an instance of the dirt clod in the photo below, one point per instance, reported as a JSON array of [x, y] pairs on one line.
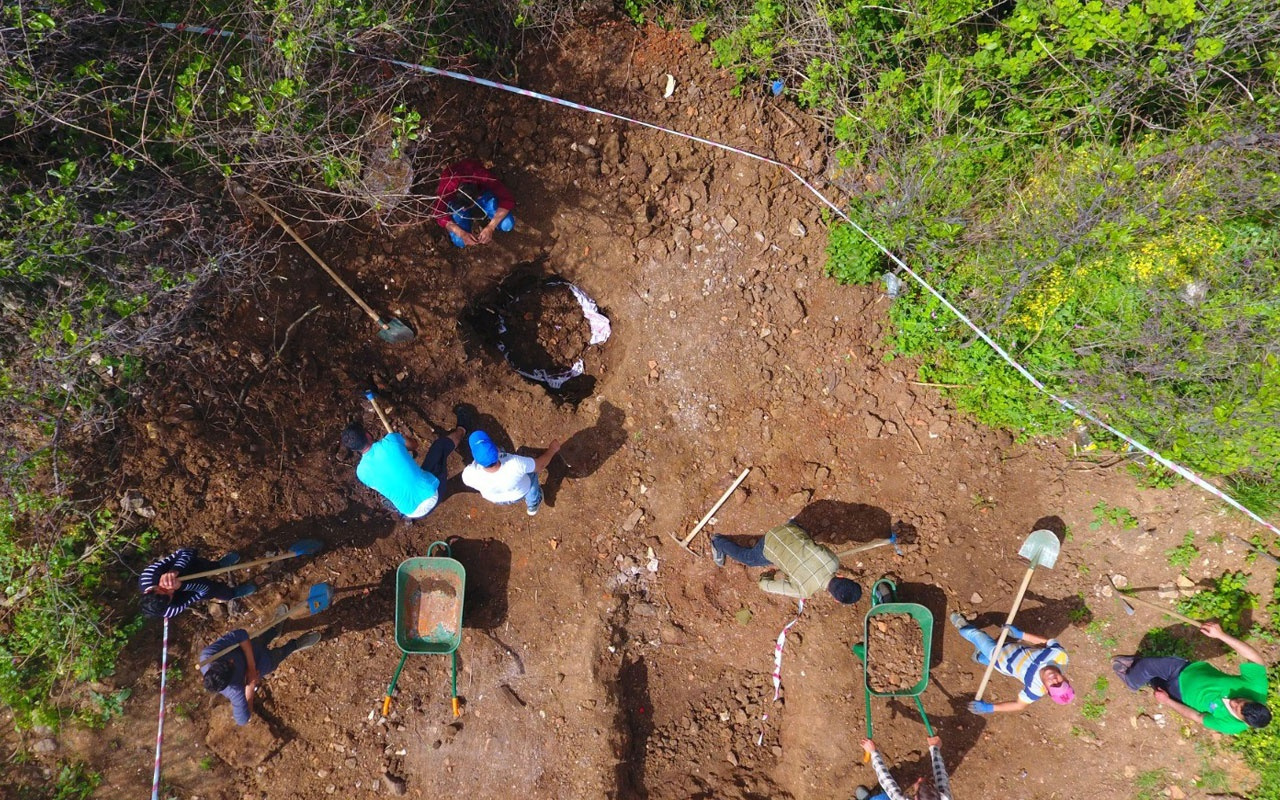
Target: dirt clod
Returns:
[[895, 653], [546, 329]]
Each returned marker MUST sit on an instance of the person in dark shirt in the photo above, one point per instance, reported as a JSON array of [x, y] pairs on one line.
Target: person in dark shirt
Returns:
[[236, 675], [166, 594]]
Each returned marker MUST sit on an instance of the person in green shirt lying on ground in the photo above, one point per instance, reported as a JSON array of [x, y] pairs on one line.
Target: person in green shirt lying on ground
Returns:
[[1203, 693]]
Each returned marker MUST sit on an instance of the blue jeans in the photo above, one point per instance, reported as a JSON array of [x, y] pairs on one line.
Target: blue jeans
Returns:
[[982, 643], [751, 556], [459, 207], [1158, 673]]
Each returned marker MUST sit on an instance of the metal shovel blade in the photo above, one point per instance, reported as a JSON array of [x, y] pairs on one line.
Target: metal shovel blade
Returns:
[[318, 598], [1041, 549], [395, 331]]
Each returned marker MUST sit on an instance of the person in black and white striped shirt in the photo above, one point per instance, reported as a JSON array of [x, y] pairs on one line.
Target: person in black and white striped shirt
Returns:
[[166, 594], [937, 789]]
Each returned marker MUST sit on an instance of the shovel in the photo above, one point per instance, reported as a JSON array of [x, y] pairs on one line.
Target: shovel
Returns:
[[302, 547], [392, 330], [1127, 601], [317, 600], [1040, 550], [702, 523], [372, 397]]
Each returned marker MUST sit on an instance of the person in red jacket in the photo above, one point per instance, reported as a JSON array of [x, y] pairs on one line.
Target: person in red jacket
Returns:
[[469, 194]]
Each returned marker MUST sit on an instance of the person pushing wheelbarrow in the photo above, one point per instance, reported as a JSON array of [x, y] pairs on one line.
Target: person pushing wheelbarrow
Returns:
[[939, 788]]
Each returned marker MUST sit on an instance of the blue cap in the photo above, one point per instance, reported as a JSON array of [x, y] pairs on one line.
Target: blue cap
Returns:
[[483, 450]]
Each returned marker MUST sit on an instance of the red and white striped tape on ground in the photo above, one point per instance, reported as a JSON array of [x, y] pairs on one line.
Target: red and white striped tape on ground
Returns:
[[164, 672], [777, 670], [1071, 406]]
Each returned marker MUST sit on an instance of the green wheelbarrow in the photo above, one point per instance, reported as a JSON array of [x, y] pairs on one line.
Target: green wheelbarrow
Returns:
[[429, 592], [884, 600]]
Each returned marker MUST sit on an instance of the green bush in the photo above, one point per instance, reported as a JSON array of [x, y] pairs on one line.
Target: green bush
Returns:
[[1226, 600]]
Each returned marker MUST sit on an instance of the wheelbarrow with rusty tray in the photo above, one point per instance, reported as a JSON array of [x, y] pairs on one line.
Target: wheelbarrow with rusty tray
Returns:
[[429, 593], [884, 601]]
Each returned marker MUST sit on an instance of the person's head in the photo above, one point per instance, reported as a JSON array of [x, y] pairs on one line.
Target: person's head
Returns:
[[483, 450], [1058, 685], [218, 676], [356, 438], [154, 604], [1255, 714], [844, 590], [925, 790], [465, 202]]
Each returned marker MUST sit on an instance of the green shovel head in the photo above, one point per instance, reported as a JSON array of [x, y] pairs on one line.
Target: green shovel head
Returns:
[[1041, 549], [395, 331]]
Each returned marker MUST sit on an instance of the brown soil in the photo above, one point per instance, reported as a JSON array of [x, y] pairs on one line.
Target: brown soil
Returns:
[[546, 329], [599, 659], [895, 652]]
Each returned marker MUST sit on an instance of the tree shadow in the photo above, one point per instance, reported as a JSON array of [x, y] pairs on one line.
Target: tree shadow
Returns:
[[635, 711], [834, 522], [586, 451]]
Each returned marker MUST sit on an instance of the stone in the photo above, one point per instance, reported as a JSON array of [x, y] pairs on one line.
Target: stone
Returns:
[[797, 229], [1120, 581], [975, 599], [44, 746], [632, 520], [394, 784], [1167, 591], [729, 223]]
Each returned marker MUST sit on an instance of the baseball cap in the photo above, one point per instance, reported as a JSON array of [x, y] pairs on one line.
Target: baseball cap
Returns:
[[483, 450], [1062, 693]]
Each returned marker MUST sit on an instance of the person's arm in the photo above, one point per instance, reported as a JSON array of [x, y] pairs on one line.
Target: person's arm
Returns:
[[983, 707], [192, 592], [1214, 631], [250, 670], [540, 463], [241, 706], [1029, 638], [940, 780], [1163, 698], [154, 573], [887, 783], [782, 586]]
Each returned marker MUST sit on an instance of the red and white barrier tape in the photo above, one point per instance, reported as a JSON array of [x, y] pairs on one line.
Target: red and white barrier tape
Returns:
[[777, 670], [1177, 469], [164, 671]]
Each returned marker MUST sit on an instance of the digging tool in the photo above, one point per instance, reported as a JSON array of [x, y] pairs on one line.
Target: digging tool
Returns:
[[871, 545], [317, 600], [391, 330], [302, 547], [685, 542], [1126, 602], [372, 397], [1256, 549], [1040, 550]]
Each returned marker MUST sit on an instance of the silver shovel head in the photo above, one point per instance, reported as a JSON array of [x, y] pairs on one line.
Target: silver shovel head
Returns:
[[395, 331], [1041, 549]]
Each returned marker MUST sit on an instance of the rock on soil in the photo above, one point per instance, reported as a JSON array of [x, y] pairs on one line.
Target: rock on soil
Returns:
[[895, 652]]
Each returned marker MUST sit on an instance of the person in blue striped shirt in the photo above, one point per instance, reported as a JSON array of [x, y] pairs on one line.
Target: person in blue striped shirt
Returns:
[[1033, 660], [166, 594]]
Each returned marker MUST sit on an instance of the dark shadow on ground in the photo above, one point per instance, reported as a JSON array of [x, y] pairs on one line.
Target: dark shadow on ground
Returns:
[[1051, 523], [1040, 614], [360, 608], [488, 566], [935, 599], [636, 711], [586, 451], [960, 729], [833, 522]]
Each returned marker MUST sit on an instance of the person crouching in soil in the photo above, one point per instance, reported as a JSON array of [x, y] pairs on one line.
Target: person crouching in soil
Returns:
[[1202, 693], [807, 567], [937, 789], [166, 594], [1037, 662], [503, 478], [236, 675], [388, 465], [469, 194]]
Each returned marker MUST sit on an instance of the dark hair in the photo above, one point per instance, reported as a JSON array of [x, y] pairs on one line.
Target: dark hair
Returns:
[[154, 605], [1256, 714], [927, 791], [845, 590], [218, 675], [354, 437]]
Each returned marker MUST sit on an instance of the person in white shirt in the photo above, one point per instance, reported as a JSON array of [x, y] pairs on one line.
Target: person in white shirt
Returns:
[[503, 478]]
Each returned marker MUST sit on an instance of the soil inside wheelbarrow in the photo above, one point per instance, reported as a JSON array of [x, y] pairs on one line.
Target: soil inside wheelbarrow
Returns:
[[546, 329], [435, 608], [895, 653]]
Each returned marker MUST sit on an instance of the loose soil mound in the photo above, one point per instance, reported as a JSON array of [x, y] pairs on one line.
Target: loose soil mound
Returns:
[[546, 329], [895, 653]]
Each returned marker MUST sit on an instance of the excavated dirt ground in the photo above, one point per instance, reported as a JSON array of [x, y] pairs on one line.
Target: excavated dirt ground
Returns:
[[599, 659]]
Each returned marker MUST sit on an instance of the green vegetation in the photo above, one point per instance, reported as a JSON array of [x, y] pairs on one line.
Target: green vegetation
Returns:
[[1094, 704], [1226, 600], [1104, 514], [1261, 748], [1093, 183], [1182, 555], [1159, 642], [1150, 785]]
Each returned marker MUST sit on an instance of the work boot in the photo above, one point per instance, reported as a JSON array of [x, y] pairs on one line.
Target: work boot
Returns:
[[861, 793], [717, 556], [466, 416], [958, 620], [308, 640], [244, 590], [229, 560]]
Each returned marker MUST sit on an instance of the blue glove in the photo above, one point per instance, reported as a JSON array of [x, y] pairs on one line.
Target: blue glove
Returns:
[[1014, 631], [981, 707]]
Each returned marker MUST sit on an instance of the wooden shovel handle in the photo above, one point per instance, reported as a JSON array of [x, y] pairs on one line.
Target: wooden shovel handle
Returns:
[[276, 619], [1004, 631], [385, 423], [715, 508], [1181, 617], [351, 292], [245, 565]]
